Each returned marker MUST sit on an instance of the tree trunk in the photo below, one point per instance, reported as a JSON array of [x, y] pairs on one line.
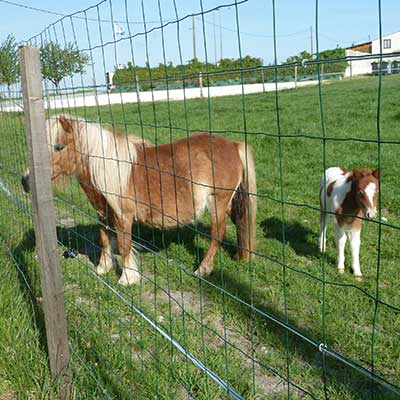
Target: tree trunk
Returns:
[[56, 83]]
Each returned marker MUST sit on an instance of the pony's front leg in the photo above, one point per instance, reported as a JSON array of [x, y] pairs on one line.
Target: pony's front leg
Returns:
[[340, 240], [106, 257], [355, 241], [129, 264]]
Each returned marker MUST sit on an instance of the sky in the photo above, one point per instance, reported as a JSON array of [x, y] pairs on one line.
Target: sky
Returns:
[[340, 23]]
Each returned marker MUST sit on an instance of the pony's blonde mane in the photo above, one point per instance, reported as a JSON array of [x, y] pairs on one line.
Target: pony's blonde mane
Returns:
[[109, 156]]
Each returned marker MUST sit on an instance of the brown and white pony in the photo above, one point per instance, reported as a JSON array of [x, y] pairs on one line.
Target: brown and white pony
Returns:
[[125, 179], [349, 195]]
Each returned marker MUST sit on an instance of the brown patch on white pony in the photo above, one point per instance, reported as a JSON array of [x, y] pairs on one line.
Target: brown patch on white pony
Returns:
[[344, 170], [330, 188]]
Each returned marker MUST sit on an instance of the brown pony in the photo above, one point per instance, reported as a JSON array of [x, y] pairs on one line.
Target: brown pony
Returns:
[[125, 179]]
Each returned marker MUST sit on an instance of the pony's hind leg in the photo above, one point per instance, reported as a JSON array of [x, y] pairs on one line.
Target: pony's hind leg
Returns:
[[218, 230], [129, 264], [238, 211], [323, 219]]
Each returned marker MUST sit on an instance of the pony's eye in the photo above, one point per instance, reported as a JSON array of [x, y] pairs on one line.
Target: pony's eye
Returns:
[[361, 194], [58, 147]]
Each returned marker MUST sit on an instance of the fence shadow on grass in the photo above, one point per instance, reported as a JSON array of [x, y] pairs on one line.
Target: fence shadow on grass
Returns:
[[28, 277], [338, 373]]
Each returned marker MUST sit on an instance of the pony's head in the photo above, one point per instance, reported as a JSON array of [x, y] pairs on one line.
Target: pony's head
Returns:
[[366, 187], [65, 157]]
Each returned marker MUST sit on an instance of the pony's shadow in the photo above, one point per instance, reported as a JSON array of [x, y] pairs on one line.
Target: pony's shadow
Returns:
[[85, 240], [301, 239]]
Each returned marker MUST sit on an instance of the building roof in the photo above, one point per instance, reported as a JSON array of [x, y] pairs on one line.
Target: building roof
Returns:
[[359, 45]]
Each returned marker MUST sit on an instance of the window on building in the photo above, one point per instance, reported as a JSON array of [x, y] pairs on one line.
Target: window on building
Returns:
[[387, 43]]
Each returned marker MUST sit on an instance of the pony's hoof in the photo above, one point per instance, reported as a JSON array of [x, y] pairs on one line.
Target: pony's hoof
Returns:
[[102, 269], [341, 270], [200, 272], [129, 277], [358, 278]]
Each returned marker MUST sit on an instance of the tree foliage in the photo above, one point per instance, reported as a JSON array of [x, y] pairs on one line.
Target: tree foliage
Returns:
[[151, 77], [331, 67], [59, 62], [9, 61], [228, 69]]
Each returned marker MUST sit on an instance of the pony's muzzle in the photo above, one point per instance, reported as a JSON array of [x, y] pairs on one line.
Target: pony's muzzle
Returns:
[[370, 213], [25, 183]]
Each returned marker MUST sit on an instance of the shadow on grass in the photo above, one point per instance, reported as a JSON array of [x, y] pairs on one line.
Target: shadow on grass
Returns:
[[338, 374], [84, 238], [301, 239], [29, 282]]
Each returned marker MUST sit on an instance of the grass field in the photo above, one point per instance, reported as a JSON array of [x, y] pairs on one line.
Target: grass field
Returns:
[[115, 349]]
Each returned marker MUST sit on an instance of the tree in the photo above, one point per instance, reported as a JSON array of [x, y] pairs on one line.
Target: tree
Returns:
[[9, 62], [58, 62]]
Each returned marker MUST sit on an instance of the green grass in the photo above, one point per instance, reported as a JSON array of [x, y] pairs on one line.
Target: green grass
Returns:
[[131, 360], [23, 362]]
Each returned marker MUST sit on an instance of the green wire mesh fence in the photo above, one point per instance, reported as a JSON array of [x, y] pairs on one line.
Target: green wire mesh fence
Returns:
[[284, 324]]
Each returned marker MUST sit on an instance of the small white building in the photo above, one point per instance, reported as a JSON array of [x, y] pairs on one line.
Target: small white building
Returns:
[[390, 44]]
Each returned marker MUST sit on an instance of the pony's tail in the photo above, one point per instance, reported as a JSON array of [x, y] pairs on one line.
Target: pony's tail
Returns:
[[244, 205]]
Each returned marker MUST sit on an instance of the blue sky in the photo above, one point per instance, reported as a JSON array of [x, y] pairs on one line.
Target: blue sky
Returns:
[[340, 23]]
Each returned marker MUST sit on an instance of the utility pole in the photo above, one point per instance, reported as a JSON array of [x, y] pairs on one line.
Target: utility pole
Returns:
[[220, 35], [215, 40], [194, 39], [311, 41]]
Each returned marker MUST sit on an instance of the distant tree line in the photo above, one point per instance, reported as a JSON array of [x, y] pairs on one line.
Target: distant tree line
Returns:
[[152, 77], [59, 62], [250, 69]]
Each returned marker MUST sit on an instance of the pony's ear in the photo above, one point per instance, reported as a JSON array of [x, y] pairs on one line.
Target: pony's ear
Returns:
[[376, 173], [66, 124]]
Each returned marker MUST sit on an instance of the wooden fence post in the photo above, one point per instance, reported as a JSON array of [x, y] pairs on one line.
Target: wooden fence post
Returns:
[[44, 220]]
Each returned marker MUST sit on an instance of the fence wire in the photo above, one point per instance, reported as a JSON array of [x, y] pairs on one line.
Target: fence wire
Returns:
[[281, 324]]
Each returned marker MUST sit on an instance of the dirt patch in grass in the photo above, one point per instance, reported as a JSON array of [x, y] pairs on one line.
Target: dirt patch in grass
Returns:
[[266, 382], [179, 301], [8, 396]]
